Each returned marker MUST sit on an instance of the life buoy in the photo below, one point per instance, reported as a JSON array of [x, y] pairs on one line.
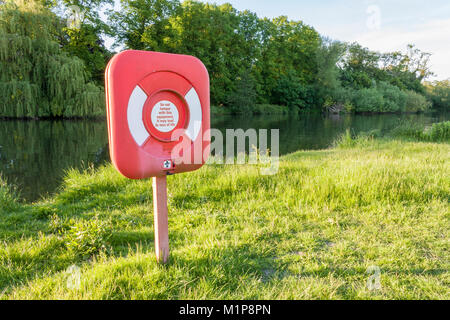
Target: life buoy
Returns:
[[178, 108]]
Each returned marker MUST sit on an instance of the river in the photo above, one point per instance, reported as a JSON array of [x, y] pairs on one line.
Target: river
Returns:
[[35, 154]]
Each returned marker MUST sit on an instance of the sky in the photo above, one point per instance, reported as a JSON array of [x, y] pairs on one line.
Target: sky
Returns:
[[380, 25]]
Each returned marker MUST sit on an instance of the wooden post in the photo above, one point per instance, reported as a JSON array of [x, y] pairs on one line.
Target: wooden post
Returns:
[[161, 219]]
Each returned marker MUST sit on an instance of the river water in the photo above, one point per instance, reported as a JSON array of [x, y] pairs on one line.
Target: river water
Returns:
[[35, 154]]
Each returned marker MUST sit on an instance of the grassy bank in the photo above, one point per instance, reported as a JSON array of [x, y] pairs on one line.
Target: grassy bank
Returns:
[[438, 132], [311, 231]]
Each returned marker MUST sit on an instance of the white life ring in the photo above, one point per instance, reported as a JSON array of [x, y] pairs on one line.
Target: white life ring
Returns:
[[135, 115]]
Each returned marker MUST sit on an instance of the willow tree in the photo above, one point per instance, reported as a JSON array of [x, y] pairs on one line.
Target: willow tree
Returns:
[[38, 79]]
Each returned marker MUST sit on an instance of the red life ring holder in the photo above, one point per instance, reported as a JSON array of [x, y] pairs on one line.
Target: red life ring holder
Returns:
[[149, 95]]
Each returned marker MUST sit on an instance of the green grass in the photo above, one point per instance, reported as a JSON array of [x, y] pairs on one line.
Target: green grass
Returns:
[[309, 232], [438, 132]]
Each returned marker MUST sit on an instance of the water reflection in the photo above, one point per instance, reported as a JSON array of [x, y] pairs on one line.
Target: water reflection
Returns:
[[35, 154], [305, 132]]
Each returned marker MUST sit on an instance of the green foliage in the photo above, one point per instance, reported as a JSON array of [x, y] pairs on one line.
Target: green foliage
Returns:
[[38, 79], [250, 60], [394, 99], [86, 44], [346, 140], [362, 68], [219, 110], [350, 140], [438, 132], [144, 24], [278, 61], [292, 93], [408, 129], [243, 97], [327, 82], [368, 100], [388, 98], [57, 225], [86, 237], [416, 102], [288, 54], [85, 40], [395, 76], [439, 94], [270, 109], [230, 43], [8, 196]]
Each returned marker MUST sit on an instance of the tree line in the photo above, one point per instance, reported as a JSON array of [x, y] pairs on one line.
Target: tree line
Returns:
[[251, 60]]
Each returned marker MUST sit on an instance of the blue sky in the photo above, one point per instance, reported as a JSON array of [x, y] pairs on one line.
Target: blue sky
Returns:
[[380, 25]]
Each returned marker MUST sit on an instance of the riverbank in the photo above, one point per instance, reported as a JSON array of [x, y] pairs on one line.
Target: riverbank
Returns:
[[269, 109], [311, 231], [259, 109]]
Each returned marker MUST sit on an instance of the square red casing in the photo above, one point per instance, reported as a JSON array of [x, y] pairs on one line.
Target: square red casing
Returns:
[[155, 102]]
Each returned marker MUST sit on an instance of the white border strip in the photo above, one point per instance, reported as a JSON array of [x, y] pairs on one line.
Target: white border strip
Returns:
[[134, 116], [195, 112]]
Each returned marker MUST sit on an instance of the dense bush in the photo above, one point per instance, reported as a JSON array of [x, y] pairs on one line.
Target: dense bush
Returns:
[[291, 92], [439, 94], [385, 97], [368, 100], [394, 99], [416, 102]]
